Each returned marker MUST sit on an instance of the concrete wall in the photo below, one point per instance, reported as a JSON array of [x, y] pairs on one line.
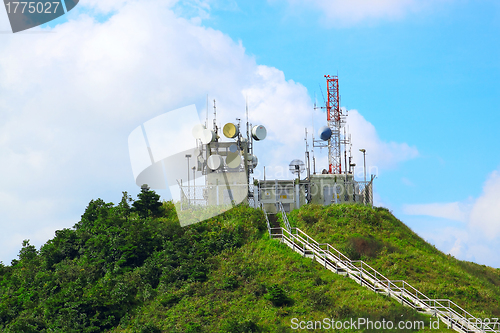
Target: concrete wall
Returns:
[[273, 191], [327, 189], [226, 187]]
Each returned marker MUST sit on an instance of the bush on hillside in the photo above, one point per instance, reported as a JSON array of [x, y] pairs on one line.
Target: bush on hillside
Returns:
[[277, 295]]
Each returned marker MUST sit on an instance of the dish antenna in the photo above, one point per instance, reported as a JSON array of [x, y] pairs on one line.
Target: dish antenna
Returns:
[[297, 167], [325, 133]]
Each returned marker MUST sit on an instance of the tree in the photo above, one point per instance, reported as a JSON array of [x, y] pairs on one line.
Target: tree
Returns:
[[95, 210], [123, 207], [149, 203]]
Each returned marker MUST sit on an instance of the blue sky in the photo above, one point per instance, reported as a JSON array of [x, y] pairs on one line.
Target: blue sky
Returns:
[[421, 79]]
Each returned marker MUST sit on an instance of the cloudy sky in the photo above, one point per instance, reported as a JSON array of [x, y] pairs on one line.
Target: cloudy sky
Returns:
[[420, 80]]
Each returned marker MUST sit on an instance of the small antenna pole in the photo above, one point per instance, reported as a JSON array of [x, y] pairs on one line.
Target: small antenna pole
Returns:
[[345, 153], [215, 119], [308, 161], [307, 155], [248, 126]]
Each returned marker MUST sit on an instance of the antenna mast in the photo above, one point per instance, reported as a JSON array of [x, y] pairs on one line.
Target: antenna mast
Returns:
[[334, 117], [215, 119], [248, 127]]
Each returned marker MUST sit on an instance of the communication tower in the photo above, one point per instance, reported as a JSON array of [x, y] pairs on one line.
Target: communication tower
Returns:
[[335, 119]]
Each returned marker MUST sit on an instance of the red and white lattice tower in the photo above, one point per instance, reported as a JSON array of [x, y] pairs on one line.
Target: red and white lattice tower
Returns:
[[334, 117]]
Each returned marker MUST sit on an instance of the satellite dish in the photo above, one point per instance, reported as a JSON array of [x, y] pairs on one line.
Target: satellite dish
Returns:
[[233, 160], [255, 161], [259, 133], [230, 130], [207, 136], [325, 133], [297, 167], [252, 159], [198, 130], [214, 162], [233, 148]]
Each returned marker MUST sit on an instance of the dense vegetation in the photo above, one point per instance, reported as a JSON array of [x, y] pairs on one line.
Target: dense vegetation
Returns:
[[130, 267]]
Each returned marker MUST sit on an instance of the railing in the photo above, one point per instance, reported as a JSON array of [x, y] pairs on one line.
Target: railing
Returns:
[[215, 195], [281, 209], [267, 220], [450, 313]]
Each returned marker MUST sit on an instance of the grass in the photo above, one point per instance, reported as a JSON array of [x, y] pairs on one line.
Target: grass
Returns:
[[377, 237]]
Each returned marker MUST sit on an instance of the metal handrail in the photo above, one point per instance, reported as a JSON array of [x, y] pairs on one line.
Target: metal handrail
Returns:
[[370, 277], [267, 219], [283, 214]]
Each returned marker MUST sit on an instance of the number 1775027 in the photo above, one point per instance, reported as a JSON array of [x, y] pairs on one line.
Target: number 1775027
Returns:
[[32, 7]]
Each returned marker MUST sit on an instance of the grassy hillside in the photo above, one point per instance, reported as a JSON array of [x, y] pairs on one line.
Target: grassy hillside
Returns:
[[126, 268], [377, 237]]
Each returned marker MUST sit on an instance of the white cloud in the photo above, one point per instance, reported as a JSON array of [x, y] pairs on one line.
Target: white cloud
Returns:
[[346, 13], [453, 210], [485, 214], [482, 214], [285, 109], [379, 154], [465, 244], [478, 239]]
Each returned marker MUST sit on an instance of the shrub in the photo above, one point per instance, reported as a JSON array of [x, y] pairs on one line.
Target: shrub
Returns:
[[150, 328], [230, 283], [359, 246], [309, 214], [277, 296], [246, 326]]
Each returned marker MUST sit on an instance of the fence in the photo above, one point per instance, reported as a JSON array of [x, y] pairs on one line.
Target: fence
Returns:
[[216, 195]]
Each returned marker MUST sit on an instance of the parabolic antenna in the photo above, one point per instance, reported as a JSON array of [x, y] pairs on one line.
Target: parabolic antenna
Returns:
[[198, 130], [259, 132], [233, 160], [214, 162], [253, 159], [233, 148], [325, 133], [207, 136], [297, 167], [230, 130]]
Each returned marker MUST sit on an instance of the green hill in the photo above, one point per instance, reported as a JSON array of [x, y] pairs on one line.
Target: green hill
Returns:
[[375, 236], [132, 268]]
